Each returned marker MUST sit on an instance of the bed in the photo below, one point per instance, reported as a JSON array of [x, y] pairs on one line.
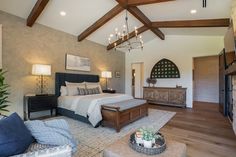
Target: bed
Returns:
[[85, 108]]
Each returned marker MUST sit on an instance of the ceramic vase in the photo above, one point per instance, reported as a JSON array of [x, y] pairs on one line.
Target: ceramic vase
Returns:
[[147, 144]]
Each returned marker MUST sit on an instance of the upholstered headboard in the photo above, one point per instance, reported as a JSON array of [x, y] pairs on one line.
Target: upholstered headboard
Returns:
[[77, 78]]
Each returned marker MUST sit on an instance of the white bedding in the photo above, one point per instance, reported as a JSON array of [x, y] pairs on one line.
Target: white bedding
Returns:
[[90, 105]]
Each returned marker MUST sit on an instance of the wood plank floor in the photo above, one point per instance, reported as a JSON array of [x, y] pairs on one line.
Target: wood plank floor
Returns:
[[205, 131]]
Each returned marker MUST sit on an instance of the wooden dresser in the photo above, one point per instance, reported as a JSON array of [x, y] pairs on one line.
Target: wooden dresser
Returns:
[[165, 96]]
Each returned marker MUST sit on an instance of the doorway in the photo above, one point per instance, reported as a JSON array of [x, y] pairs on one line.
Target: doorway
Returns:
[[206, 79], [137, 80]]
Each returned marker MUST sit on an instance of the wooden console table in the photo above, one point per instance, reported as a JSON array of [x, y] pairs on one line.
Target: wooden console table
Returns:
[[165, 96]]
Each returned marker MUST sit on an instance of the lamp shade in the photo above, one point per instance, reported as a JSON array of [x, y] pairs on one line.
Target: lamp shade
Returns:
[[106, 74], [41, 69]]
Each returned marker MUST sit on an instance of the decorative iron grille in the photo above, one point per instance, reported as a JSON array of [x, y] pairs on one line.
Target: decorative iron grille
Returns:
[[165, 69]]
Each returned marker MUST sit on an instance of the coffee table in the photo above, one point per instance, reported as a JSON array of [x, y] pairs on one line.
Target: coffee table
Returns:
[[121, 149]]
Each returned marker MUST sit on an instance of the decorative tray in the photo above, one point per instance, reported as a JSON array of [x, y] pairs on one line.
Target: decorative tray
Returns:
[[158, 147]]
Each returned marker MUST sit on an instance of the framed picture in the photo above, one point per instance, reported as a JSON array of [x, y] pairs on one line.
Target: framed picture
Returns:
[[77, 63], [117, 74]]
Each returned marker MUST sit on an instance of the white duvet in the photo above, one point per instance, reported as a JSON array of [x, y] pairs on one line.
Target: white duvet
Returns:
[[90, 105]]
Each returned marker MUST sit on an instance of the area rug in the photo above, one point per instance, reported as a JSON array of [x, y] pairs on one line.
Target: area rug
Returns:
[[92, 141]]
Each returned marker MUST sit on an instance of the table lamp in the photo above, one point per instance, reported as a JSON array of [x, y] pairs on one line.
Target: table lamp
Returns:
[[41, 70], [107, 75]]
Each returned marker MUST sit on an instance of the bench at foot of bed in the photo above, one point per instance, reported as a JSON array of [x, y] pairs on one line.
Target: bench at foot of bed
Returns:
[[122, 113]]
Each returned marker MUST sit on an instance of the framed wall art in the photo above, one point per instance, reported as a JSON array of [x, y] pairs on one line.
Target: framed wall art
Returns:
[[77, 63], [117, 74]]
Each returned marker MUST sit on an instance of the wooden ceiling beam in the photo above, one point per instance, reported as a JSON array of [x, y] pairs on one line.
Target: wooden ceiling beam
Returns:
[[123, 3], [36, 11], [143, 18], [192, 23], [144, 2], [131, 35], [108, 16]]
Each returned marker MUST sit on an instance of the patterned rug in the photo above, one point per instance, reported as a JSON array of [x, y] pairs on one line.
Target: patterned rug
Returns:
[[92, 141]]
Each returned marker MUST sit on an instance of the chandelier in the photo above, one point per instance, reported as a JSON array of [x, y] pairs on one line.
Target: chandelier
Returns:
[[124, 38]]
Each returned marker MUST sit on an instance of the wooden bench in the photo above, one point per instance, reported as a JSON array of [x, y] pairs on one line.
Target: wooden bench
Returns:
[[122, 113]]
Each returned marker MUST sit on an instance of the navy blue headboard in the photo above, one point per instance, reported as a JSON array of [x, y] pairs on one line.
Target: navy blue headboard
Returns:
[[76, 78]]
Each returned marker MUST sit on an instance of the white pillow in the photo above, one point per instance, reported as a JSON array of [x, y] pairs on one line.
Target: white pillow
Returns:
[[75, 84], [63, 91], [72, 88], [94, 85]]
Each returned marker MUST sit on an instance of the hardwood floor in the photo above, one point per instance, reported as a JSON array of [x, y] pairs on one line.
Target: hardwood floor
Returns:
[[205, 131]]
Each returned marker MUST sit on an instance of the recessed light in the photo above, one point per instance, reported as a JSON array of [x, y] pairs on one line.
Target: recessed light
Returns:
[[193, 11], [63, 13]]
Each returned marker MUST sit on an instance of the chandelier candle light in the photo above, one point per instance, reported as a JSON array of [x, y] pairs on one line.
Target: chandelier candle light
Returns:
[[124, 37]]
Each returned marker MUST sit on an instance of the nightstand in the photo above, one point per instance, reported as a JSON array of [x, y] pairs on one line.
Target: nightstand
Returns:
[[36, 103], [109, 91]]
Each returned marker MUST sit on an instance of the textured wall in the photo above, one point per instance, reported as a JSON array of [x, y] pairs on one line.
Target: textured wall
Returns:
[[24, 46]]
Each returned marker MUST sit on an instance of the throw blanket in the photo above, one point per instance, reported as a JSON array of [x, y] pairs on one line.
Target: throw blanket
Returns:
[[53, 132], [90, 105]]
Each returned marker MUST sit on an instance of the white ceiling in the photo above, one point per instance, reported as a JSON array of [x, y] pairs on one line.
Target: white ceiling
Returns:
[[83, 13]]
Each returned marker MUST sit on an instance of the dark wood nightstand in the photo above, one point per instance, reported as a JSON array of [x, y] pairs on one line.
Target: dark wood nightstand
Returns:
[[109, 91], [38, 103]]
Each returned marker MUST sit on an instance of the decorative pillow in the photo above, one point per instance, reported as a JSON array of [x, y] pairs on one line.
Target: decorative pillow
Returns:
[[72, 88], [82, 91], [94, 85], [63, 91], [88, 91], [96, 90], [52, 132], [93, 90], [75, 84], [15, 138]]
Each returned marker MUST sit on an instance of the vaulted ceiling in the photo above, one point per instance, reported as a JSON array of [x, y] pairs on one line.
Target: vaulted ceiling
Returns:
[[81, 14]]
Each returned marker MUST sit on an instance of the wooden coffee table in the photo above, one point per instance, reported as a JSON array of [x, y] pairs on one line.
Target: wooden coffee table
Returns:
[[121, 149]]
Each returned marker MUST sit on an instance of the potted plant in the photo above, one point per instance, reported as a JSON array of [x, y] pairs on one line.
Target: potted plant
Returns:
[[148, 137], [3, 93]]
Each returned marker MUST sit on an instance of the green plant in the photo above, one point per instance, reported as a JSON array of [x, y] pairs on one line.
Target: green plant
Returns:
[[148, 134], [3, 92]]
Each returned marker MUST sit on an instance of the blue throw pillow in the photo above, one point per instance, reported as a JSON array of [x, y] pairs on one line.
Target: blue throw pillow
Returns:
[[15, 138]]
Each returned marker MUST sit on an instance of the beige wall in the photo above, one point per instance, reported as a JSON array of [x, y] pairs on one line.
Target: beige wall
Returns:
[[24, 46], [206, 79], [179, 49]]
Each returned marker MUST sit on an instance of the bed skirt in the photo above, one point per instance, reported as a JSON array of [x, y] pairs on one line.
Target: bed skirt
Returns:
[[71, 114]]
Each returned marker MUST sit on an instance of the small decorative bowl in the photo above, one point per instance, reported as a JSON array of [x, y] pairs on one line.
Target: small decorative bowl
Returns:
[[158, 147]]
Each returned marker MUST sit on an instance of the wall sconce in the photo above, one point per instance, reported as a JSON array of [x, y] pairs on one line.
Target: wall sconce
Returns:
[[107, 75], [41, 70]]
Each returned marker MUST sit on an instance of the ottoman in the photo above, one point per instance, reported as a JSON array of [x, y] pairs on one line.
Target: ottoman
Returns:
[[121, 149]]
